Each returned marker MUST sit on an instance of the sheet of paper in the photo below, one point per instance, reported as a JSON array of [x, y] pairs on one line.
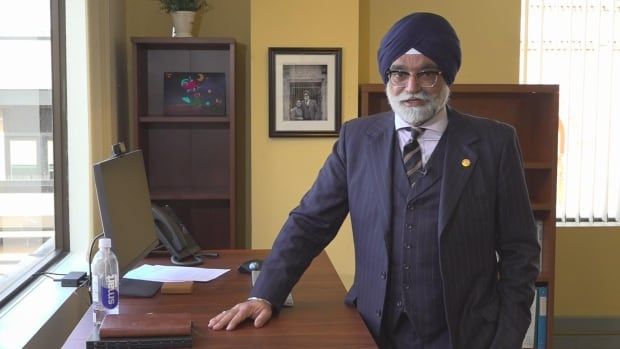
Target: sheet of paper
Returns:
[[166, 273]]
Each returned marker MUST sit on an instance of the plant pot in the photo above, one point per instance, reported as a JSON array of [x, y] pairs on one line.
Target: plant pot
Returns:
[[182, 23]]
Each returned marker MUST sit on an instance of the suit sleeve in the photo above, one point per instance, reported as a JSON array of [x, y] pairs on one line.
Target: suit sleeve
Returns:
[[517, 246], [309, 228]]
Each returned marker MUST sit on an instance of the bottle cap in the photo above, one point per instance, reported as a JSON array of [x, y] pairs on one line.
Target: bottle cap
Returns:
[[105, 243]]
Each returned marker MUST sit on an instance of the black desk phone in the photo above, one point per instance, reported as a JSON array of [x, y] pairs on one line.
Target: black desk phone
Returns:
[[174, 236]]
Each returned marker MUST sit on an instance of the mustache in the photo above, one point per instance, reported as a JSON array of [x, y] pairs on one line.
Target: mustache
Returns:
[[422, 95]]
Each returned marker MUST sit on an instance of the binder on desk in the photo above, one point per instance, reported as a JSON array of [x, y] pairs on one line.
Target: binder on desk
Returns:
[[153, 330]]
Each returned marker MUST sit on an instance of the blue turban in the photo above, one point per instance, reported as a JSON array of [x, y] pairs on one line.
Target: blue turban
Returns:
[[428, 33]]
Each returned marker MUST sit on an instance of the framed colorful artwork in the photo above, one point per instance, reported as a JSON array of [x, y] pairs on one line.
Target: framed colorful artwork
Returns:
[[194, 93]]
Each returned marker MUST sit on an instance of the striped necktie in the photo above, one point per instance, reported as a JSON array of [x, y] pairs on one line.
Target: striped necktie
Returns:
[[412, 155]]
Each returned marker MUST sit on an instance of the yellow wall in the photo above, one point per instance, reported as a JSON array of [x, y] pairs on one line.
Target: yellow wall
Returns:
[[283, 169], [107, 88], [586, 272]]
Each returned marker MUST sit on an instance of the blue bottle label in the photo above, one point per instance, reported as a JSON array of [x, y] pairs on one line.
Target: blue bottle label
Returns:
[[109, 292], [109, 298]]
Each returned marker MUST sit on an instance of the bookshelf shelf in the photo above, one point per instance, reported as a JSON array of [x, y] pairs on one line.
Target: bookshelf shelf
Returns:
[[184, 119], [542, 207], [544, 278], [533, 111], [189, 196], [538, 166]]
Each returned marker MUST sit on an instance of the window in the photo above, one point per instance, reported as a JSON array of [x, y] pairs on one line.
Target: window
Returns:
[[32, 228], [576, 44]]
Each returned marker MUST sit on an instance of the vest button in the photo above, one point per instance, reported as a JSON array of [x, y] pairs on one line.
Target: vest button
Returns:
[[399, 304], [410, 207], [378, 312], [406, 266], [407, 245], [383, 275], [406, 286], [409, 226]]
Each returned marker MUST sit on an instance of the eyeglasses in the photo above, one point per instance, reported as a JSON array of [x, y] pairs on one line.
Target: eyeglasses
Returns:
[[424, 78]]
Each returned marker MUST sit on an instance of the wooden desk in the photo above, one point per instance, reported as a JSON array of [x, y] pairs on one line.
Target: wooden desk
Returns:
[[319, 318]]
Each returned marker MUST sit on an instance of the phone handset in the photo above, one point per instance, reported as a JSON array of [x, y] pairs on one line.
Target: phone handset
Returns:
[[175, 237]]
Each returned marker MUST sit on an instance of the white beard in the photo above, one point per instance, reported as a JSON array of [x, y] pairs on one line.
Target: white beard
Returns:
[[416, 116]]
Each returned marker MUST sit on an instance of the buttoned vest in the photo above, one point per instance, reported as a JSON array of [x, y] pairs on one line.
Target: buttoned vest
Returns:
[[415, 286]]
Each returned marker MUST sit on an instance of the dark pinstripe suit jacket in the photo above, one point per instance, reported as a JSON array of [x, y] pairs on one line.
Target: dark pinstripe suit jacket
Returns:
[[484, 208]]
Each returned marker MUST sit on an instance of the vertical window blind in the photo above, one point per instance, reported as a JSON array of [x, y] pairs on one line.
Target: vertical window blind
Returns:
[[576, 44]]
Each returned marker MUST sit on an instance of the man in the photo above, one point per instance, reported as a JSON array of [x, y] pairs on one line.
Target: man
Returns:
[[297, 112], [433, 195], [310, 107]]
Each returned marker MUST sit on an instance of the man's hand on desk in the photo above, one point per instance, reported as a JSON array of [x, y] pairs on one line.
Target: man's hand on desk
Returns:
[[258, 310]]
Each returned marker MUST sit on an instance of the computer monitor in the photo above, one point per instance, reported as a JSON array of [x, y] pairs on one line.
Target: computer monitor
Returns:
[[125, 207]]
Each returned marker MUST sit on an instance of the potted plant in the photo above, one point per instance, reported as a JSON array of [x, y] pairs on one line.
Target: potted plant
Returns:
[[170, 6], [182, 13]]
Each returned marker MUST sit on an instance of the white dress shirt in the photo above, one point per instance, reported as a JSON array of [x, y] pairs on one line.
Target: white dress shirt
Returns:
[[433, 130]]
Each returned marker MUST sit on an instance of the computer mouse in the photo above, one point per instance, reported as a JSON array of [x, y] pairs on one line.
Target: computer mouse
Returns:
[[249, 265]]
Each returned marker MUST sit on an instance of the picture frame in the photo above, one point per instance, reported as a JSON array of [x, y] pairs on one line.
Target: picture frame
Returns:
[[305, 92]]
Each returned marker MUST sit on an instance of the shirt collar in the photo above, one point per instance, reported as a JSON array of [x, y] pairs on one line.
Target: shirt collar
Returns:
[[437, 123]]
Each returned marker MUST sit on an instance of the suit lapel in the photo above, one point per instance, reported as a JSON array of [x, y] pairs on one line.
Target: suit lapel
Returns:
[[381, 138], [460, 161]]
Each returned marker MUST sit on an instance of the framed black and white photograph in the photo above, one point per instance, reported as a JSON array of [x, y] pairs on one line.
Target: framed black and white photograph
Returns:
[[305, 92]]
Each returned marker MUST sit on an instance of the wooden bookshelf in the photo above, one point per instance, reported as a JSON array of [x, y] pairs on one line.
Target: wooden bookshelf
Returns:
[[533, 111], [189, 159]]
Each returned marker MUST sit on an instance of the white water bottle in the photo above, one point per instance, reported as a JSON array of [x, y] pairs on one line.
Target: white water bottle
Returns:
[[105, 282]]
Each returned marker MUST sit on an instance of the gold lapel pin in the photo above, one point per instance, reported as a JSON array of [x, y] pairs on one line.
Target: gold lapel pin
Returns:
[[465, 162]]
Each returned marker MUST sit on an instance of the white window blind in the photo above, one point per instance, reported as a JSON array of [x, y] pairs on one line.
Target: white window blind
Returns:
[[576, 44]]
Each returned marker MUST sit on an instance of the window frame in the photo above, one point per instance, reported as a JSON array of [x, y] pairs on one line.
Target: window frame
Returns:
[[59, 132]]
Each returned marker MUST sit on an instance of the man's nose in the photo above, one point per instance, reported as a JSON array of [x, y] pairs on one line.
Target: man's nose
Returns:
[[412, 84]]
